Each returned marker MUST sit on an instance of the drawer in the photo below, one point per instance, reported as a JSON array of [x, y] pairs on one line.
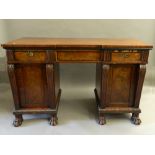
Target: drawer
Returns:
[[33, 56], [125, 56], [78, 55]]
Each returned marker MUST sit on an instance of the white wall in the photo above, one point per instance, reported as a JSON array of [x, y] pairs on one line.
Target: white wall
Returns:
[[3, 36]]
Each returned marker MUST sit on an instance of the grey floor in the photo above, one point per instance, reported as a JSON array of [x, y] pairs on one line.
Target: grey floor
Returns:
[[78, 114]]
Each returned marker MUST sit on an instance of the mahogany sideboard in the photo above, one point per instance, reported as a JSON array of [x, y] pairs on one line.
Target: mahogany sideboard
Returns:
[[33, 69]]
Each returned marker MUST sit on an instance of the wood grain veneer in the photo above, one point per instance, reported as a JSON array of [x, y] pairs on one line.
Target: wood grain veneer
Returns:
[[33, 68]]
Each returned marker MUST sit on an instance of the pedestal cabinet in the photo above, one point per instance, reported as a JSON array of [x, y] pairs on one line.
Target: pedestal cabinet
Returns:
[[119, 82], [33, 69], [35, 83]]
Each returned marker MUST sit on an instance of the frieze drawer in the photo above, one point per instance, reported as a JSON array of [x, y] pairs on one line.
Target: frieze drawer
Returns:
[[34, 56], [125, 56], [78, 55]]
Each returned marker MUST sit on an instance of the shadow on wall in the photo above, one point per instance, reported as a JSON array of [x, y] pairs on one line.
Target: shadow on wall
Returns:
[[4, 77], [3, 71], [150, 76], [76, 74]]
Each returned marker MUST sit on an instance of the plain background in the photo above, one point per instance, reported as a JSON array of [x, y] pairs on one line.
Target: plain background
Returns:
[[78, 80]]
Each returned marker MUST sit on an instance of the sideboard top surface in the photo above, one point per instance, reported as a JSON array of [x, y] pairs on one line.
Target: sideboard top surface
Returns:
[[80, 42]]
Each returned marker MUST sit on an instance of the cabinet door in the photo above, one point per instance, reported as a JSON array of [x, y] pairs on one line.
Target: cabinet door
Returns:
[[121, 85], [32, 85]]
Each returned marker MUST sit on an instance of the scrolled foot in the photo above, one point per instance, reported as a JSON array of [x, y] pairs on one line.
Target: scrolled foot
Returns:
[[102, 120], [53, 121]]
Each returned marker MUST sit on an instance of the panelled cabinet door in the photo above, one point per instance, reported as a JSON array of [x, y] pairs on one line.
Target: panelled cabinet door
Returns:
[[32, 85], [121, 85]]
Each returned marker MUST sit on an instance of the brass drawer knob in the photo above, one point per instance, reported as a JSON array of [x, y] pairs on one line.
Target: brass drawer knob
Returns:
[[124, 55], [30, 54]]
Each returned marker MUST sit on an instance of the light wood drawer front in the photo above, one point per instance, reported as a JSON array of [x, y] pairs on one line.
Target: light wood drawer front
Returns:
[[126, 57], [78, 55], [30, 56]]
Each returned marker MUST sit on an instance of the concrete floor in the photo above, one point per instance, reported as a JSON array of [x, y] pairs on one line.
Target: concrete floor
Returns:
[[78, 115]]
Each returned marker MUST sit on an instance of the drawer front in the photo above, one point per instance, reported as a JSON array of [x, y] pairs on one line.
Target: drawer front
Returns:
[[78, 55], [126, 56], [33, 56]]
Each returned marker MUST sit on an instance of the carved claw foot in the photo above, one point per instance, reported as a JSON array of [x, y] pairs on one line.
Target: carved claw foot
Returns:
[[135, 119], [102, 120], [18, 120], [53, 121]]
